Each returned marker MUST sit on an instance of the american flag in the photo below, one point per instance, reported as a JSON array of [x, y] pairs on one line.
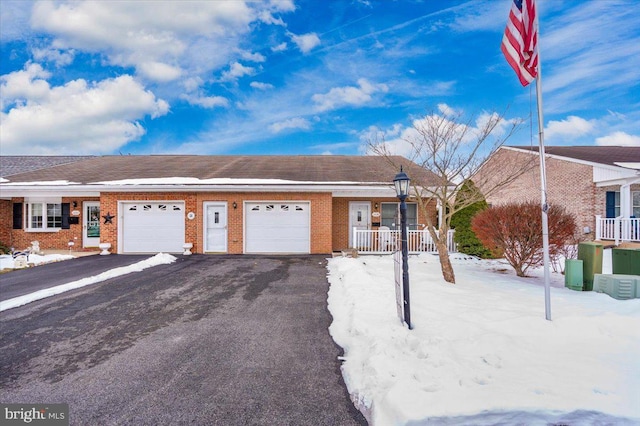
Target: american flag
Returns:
[[520, 41]]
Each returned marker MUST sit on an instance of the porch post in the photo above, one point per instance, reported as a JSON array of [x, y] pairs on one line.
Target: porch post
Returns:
[[625, 200], [598, 227]]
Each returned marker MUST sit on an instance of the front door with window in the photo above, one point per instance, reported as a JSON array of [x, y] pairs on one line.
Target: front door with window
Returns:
[[359, 218], [215, 227], [91, 224]]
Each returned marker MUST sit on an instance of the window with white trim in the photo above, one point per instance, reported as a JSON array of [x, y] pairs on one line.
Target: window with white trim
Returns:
[[43, 215], [635, 204], [388, 215]]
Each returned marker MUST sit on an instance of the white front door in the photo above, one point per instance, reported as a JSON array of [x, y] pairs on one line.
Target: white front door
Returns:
[[91, 224], [359, 218], [215, 227]]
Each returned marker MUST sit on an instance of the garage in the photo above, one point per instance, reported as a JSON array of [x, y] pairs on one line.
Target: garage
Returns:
[[152, 227], [277, 227]]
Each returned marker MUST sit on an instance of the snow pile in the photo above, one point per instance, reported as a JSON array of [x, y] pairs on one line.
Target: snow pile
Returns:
[[40, 183], [158, 259], [481, 351], [7, 261]]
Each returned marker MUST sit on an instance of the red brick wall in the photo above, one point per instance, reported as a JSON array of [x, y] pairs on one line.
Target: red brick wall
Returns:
[[48, 240], [6, 222], [569, 185], [341, 217], [194, 229]]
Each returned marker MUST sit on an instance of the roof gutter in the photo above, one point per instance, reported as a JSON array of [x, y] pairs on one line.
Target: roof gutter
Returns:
[[12, 190]]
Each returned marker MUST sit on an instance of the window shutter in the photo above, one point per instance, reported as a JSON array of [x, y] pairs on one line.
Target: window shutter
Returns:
[[611, 204], [17, 215], [66, 208]]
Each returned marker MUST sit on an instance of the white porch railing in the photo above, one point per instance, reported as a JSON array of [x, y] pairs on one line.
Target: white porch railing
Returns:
[[374, 241], [618, 229]]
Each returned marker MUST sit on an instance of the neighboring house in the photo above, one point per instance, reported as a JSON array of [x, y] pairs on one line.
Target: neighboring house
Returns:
[[220, 204], [599, 185]]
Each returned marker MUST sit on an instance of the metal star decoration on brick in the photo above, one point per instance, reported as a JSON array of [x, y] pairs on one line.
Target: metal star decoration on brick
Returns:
[[108, 218]]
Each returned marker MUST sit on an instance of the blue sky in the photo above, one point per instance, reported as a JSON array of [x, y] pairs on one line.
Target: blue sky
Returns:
[[301, 77]]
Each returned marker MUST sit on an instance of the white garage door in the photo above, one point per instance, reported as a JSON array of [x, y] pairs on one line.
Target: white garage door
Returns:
[[153, 227], [277, 227]]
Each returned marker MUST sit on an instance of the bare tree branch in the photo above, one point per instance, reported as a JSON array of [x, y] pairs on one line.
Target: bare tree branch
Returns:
[[454, 150]]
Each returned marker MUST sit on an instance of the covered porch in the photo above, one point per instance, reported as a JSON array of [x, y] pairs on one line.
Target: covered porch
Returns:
[[385, 241], [618, 229], [622, 211]]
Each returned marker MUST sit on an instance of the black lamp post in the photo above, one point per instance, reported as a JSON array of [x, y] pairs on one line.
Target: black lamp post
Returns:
[[402, 185]]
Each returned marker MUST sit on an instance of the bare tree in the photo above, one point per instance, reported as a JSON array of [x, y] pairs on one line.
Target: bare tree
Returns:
[[454, 150]]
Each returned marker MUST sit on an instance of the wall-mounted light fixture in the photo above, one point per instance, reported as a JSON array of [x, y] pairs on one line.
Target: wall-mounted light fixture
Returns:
[[375, 205], [235, 205], [75, 204]]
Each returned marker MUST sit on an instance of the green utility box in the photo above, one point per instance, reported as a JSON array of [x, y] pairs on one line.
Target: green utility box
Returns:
[[625, 261], [573, 274], [621, 287], [591, 255]]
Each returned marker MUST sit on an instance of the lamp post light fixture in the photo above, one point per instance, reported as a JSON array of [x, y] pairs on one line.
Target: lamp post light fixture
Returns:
[[402, 185]]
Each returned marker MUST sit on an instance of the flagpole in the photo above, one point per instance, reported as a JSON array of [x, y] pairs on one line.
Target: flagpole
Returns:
[[543, 187]]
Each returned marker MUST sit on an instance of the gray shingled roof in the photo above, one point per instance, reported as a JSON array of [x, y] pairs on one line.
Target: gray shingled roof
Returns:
[[322, 168], [15, 164], [608, 155]]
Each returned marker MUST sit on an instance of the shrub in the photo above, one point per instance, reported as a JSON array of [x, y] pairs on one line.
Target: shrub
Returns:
[[4, 249], [516, 230], [464, 236]]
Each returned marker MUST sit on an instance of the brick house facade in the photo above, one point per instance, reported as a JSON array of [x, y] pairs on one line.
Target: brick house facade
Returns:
[[153, 186], [577, 179]]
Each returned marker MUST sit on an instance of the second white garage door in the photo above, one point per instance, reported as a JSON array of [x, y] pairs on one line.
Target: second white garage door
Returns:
[[152, 227], [277, 227]]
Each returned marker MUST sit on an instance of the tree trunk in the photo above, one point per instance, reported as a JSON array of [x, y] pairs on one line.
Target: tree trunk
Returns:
[[445, 262]]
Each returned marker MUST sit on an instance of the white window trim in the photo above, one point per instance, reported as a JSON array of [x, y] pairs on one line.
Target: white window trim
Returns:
[[396, 203], [28, 202]]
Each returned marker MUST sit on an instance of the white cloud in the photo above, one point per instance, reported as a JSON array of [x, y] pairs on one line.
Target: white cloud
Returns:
[[480, 16], [253, 57], [261, 86], [14, 19], [159, 71], [398, 138], [343, 96], [162, 40], [572, 127], [305, 42], [267, 17], [292, 123], [207, 101], [236, 70], [619, 139], [58, 57], [191, 84], [76, 118], [280, 47], [447, 110], [600, 62], [26, 85]]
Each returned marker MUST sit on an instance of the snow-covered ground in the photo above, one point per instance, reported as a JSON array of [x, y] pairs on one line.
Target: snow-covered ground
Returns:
[[158, 259], [481, 351], [6, 260]]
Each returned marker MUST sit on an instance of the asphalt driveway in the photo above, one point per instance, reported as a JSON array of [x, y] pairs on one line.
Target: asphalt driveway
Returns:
[[24, 281], [233, 340]]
